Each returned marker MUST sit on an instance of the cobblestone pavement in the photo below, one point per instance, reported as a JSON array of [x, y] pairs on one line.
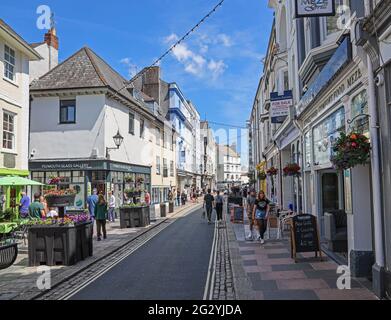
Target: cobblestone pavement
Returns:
[[222, 279], [19, 281], [268, 273]]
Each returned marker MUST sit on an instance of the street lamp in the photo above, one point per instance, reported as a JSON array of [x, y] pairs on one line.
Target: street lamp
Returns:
[[118, 139]]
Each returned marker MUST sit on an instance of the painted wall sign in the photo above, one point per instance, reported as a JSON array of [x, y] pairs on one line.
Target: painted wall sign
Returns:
[[315, 8], [280, 106]]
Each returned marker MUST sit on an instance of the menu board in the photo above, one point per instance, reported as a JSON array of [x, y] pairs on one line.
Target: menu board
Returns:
[[237, 214], [305, 235]]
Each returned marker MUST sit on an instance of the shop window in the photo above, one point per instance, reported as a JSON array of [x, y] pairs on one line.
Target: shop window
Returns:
[[8, 131], [325, 134], [67, 111], [165, 168], [360, 112], [332, 23]]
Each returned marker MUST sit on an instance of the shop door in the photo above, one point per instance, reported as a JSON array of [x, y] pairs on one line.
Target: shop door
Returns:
[[331, 197]]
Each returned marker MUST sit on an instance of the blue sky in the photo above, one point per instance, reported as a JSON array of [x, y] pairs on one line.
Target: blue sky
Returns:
[[217, 68]]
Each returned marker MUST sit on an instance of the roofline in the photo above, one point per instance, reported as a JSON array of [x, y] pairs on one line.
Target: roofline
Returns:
[[29, 50]]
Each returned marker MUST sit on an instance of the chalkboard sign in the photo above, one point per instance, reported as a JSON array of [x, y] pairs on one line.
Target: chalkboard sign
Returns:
[[305, 235], [237, 214]]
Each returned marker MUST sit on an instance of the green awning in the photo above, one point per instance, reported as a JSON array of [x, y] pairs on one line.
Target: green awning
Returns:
[[18, 181]]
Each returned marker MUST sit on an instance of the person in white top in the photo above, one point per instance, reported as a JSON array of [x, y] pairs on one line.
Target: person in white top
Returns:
[[111, 207]]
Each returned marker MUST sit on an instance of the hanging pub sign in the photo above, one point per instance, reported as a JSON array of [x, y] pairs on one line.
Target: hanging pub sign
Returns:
[[315, 8], [280, 106]]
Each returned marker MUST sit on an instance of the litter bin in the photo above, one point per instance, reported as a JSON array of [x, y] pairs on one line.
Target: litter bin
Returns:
[[163, 210], [171, 207]]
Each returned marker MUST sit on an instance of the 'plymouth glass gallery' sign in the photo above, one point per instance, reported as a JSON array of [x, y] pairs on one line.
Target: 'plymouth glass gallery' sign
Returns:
[[315, 8]]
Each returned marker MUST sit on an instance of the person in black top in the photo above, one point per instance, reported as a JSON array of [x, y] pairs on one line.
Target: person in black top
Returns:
[[219, 206], [260, 214], [209, 203]]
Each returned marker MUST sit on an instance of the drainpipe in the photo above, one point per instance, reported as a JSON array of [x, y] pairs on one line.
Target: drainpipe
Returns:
[[378, 268]]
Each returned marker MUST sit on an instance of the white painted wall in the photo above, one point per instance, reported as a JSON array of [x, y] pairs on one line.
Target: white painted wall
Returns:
[[14, 98], [52, 140], [41, 67]]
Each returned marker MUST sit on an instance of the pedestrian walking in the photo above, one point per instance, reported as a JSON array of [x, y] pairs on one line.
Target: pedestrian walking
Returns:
[[250, 209], [147, 198], [219, 206], [178, 198], [111, 207], [24, 205], [92, 200], [209, 204], [184, 198], [100, 213], [260, 214]]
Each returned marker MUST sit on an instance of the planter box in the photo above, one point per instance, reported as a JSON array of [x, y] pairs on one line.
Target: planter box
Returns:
[[55, 245], [171, 207], [134, 217], [61, 201], [163, 210]]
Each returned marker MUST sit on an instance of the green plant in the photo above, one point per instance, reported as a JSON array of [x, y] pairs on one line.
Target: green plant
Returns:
[[262, 175], [350, 150]]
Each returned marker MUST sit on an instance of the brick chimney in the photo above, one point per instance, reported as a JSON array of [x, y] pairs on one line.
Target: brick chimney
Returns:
[[51, 38], [151, 83]]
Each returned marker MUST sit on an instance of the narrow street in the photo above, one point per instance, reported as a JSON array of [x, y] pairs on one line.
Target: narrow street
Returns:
[[171, 266]]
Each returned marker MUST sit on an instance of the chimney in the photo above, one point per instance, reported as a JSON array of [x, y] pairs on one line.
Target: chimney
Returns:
[[151, 83], [51, 38]]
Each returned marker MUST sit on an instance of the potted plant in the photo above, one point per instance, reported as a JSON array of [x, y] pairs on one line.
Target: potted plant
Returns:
[[140, 180], [351, 150], [130, 192], [134, 215], [60, 198], [292, 170], [272, 171]]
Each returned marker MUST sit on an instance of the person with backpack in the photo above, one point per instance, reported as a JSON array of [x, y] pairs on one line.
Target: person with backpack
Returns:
[[260, 214]]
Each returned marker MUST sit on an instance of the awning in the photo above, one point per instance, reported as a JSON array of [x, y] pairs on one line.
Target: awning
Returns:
[[18, 181]]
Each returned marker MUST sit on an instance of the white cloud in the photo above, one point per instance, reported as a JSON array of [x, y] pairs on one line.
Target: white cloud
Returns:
[[132, 67], [196, 63], [217, 68], [225, 40]]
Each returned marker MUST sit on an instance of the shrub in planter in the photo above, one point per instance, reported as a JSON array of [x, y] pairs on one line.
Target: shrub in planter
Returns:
[[351, 150], [292, 170], [60, 198]]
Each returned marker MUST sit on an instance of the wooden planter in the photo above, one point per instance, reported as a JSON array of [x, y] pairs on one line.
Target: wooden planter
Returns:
[[59, 245], [134, 217], [60, 201]]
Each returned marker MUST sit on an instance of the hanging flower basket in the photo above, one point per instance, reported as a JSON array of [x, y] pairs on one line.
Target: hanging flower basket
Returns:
[[351, 150], [292, 170], [60, 198], [262, 175], [272, 172], [129, 179], [140, 180]]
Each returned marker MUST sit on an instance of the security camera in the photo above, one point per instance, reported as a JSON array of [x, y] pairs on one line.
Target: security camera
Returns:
[[379, 80]]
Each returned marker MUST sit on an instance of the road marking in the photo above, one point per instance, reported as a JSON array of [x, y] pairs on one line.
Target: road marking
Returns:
[[127, 253], [211, 269]]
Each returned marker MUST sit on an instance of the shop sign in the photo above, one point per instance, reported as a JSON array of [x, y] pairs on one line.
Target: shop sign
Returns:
[[338, 61], [67, 166], [129, 168], [315, 8], [280, 106]]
